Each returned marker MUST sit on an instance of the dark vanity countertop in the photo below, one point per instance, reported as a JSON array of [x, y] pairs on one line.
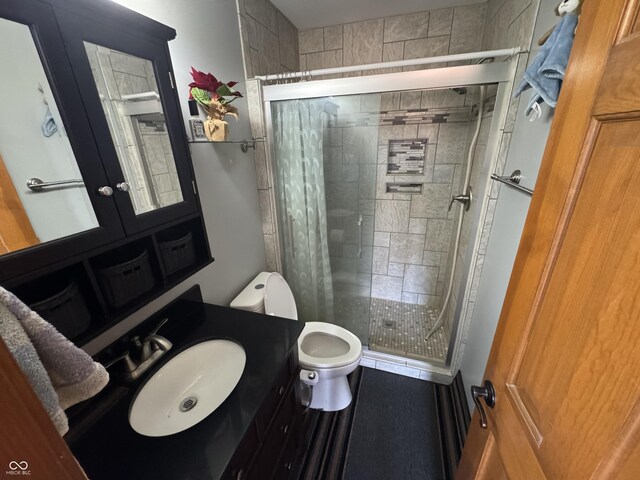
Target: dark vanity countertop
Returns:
[[111, 449]]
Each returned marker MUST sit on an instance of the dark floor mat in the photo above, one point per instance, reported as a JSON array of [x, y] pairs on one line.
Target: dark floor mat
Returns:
[[395, 433]]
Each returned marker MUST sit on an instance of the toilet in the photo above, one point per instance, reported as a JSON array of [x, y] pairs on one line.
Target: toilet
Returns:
[[327, 353]]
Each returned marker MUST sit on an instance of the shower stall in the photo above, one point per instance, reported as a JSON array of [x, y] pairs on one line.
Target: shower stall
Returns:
[[380, 182]]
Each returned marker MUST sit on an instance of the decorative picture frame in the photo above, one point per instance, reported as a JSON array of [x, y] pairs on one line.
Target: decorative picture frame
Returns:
[[197, 130]]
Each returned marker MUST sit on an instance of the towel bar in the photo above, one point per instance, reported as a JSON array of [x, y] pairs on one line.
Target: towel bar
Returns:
[[37, 185], [513, 181]]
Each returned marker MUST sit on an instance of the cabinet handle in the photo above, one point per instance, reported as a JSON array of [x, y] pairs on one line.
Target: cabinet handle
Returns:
[[288, 465], [281, 390], [123, 187], [285, 429], [105, 191]]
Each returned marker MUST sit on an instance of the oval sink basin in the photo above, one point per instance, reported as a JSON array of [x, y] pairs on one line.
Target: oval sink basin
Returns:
[[188, 388]]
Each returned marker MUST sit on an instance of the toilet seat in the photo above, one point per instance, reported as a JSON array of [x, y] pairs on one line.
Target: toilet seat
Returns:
[[352, 355]]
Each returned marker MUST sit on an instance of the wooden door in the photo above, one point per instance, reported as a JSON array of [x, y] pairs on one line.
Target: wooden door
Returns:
[[565, 361], [16, 232]]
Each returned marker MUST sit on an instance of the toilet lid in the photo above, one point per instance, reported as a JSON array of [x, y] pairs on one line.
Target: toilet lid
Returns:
[[278, 299], [334, 346]]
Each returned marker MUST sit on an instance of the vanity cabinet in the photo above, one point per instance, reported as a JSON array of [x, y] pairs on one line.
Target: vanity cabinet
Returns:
[[98, 200], [269, 448]]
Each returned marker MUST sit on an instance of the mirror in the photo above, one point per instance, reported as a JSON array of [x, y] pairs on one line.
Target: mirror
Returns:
[[131, 101], [34, 145]]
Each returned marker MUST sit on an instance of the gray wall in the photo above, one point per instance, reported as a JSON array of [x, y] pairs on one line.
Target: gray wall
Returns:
[[525, 150], [210, 41]]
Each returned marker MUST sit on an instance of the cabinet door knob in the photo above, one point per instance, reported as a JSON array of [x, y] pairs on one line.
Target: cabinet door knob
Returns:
[[123, 187], [280, 391], [285, 429], [105, 191]]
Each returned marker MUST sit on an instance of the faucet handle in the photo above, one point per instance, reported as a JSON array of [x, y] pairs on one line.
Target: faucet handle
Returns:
[[159, 326], [159, 341], [129, 364]]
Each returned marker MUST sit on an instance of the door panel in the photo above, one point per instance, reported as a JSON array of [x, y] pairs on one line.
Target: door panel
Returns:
[[492, 467], [81, 34], [565, 359], [592, 297]]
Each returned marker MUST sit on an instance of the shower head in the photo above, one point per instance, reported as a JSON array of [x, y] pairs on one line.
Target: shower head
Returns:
[[459, 90]]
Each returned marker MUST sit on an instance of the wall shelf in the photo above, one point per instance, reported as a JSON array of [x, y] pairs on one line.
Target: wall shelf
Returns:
[[245, 145]]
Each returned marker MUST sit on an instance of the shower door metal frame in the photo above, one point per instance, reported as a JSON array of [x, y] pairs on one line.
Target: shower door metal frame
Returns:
[[500, 73]]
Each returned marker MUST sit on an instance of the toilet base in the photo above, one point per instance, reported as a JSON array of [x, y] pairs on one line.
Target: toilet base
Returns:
[[331, 394]]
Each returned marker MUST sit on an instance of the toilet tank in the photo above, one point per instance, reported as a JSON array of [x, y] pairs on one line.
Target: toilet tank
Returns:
[[251, 298]]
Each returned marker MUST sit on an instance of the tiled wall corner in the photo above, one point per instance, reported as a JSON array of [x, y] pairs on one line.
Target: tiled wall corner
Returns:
[[264, 175], [269, 39]]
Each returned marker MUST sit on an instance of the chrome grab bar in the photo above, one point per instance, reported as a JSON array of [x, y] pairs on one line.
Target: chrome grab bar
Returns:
[[37, 185], [513, 181]]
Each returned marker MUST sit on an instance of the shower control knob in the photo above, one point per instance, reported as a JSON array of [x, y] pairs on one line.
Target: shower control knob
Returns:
[[123, 187], [105, 191]]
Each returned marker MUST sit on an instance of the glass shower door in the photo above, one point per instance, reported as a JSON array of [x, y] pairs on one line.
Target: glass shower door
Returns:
[[326, 160]]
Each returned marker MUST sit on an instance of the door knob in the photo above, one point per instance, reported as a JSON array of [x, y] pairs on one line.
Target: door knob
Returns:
[[105, 191], [123, 186], [489, 394]]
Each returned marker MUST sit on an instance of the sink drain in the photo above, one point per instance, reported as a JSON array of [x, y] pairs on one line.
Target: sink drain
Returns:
[[188, 403]]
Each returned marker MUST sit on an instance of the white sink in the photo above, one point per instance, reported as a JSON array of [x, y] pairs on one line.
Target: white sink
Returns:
[[188, 388]]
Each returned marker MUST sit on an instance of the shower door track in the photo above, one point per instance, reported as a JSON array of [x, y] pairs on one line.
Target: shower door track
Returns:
[[501, 73]]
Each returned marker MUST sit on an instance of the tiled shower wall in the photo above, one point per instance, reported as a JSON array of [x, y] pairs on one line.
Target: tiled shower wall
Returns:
[[407, 235], [417, 35], [269, 45], [269, 39], [508, 23]]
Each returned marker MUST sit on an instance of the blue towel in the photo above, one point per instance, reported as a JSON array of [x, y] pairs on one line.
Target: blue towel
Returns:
[[546, 72], [49, 126]]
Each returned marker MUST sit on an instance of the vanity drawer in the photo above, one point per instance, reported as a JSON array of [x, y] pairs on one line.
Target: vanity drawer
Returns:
[[281, 429], [271, 402], [287, 459], [241, 462]]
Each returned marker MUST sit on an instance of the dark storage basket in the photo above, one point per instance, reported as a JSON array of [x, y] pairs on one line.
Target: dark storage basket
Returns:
[[177, 254], [66, 310], [126, 281]]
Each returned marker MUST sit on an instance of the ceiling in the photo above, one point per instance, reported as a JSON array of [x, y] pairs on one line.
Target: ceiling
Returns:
[[322, 13]]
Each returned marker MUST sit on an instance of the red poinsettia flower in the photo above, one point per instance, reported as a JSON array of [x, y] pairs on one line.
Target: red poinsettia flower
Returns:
[[205, 81]]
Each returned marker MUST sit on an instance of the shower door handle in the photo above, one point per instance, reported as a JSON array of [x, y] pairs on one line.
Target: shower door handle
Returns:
[[291, 237], [360, 236]]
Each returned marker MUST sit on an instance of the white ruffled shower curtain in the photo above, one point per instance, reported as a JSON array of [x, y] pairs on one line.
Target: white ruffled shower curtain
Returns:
[[298, 130]]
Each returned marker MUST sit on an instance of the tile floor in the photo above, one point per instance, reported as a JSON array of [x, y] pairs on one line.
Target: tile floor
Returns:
[[399, 328]]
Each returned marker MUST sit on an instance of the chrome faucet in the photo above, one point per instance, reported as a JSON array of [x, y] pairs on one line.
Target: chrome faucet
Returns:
[[465, 199], [149, 351]]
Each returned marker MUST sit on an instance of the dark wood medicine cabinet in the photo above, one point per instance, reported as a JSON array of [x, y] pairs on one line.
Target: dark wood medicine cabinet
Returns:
[[90, 89]]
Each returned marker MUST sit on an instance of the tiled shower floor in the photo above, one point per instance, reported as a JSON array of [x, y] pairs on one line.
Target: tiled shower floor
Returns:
[[399, 328]]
